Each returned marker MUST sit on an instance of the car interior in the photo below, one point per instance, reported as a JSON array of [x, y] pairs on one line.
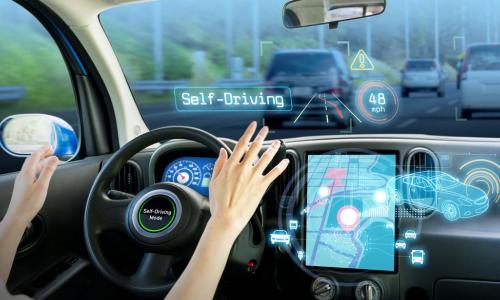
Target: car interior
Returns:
[[394, 176]]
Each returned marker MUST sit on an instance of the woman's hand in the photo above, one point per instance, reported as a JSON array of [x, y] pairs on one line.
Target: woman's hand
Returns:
[[31, 185], [238, 183], [30, 190]]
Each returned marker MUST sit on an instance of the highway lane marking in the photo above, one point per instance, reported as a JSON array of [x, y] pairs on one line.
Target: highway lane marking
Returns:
[[432, 110], [452, 102], [406, 123], [305, 107], [354, 115]]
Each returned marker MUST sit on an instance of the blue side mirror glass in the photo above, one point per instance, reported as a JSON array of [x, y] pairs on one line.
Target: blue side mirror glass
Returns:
[[21, 135]]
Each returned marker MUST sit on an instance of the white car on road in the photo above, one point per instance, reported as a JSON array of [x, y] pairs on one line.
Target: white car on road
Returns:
[[423, 75], [480, 81]]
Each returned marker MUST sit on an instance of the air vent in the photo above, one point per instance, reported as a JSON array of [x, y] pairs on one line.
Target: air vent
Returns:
[[420, 160], [129, 180], [419, 203], [285, 186]]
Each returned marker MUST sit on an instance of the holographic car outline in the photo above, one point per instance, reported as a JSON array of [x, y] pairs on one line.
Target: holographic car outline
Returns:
[[280, 236], [452, 198]]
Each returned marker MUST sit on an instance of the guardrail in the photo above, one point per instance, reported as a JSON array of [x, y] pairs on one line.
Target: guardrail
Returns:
[[157, 85], [233, 83], [168, 85], [11, 93]]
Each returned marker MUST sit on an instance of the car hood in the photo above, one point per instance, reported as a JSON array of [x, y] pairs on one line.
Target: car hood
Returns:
[[463, 191]]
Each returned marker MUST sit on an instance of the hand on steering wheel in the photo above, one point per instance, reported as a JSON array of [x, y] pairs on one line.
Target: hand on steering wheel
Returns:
[[238, 183], [166, 220]]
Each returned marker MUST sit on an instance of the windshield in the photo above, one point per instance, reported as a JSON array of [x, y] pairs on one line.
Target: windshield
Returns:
[[420, 65], [219, 64], [304, 64], [484, 58], [445, 180]]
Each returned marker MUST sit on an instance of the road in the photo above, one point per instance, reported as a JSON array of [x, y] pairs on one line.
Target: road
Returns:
[[421, 113]]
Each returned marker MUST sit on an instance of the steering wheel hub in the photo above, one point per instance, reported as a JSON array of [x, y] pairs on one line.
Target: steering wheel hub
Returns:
[[165, 220], [167, 216], [156, 213]]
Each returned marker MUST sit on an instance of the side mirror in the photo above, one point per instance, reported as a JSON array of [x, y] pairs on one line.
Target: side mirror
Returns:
[[302, 13], [21, 135]]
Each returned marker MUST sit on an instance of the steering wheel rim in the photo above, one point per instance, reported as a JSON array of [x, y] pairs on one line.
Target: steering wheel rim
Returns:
[[100, 207]]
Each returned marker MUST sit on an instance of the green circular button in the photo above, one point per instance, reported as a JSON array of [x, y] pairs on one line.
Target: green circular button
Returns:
[[157, 214]]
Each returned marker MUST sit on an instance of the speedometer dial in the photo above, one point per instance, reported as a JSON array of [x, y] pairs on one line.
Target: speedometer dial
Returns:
[[194, 172], [185, 172]]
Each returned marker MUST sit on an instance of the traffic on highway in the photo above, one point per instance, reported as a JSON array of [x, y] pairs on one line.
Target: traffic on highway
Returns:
[[375, 174]]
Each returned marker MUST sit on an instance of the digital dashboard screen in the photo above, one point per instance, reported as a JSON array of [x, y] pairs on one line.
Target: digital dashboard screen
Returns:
[[194, 172], [350, 218]]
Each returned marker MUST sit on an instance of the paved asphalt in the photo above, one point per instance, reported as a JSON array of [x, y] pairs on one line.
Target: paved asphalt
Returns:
[[421, 113]]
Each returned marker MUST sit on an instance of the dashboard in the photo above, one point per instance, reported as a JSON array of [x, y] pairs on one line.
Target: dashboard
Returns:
[[374, 213], [194, 172]]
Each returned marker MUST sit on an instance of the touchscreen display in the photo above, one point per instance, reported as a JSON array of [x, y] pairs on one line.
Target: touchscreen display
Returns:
[[350, 219]]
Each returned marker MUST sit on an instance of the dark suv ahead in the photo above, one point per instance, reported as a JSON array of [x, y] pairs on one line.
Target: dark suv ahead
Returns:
[[318, 79]]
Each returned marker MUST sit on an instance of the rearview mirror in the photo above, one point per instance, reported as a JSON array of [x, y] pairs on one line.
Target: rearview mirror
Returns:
[[21, 135], [302, 13]]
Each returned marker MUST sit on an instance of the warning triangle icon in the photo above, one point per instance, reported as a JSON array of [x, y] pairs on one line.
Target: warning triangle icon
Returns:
[[362, 62]]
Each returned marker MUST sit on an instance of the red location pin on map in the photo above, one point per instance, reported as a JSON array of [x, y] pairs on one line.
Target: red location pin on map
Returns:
[[348, 217]]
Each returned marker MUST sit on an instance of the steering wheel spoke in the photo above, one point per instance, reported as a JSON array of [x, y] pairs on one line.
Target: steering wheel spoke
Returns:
[[163, 217], [112, 213], [154, 269]]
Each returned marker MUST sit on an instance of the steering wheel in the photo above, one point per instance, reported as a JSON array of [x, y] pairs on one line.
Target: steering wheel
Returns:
[[164, 219]]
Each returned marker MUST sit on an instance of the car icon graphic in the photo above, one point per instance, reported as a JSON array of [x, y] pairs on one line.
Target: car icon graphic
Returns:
[[400, 245], [439, 191], [410, 234], [280, 237], [417, 257]]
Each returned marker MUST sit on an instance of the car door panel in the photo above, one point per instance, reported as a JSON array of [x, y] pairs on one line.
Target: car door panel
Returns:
[[62, 217]]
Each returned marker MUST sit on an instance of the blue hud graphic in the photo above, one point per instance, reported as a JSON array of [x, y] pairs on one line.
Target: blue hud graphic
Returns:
[[350, 217], [439, 191]]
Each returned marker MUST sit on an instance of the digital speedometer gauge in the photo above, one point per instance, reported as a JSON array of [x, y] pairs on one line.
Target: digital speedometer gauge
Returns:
[[194, 172], [185, 172]]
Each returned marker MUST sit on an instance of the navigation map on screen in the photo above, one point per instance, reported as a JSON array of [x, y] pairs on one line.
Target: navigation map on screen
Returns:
[[350, 219]]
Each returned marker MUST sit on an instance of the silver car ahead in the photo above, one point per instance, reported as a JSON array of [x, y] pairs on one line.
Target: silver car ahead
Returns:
[[423, 75]]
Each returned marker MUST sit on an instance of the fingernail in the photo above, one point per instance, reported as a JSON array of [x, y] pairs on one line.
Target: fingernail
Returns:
[[276, 143], [220, 152], [263, 133], [284, 163]]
